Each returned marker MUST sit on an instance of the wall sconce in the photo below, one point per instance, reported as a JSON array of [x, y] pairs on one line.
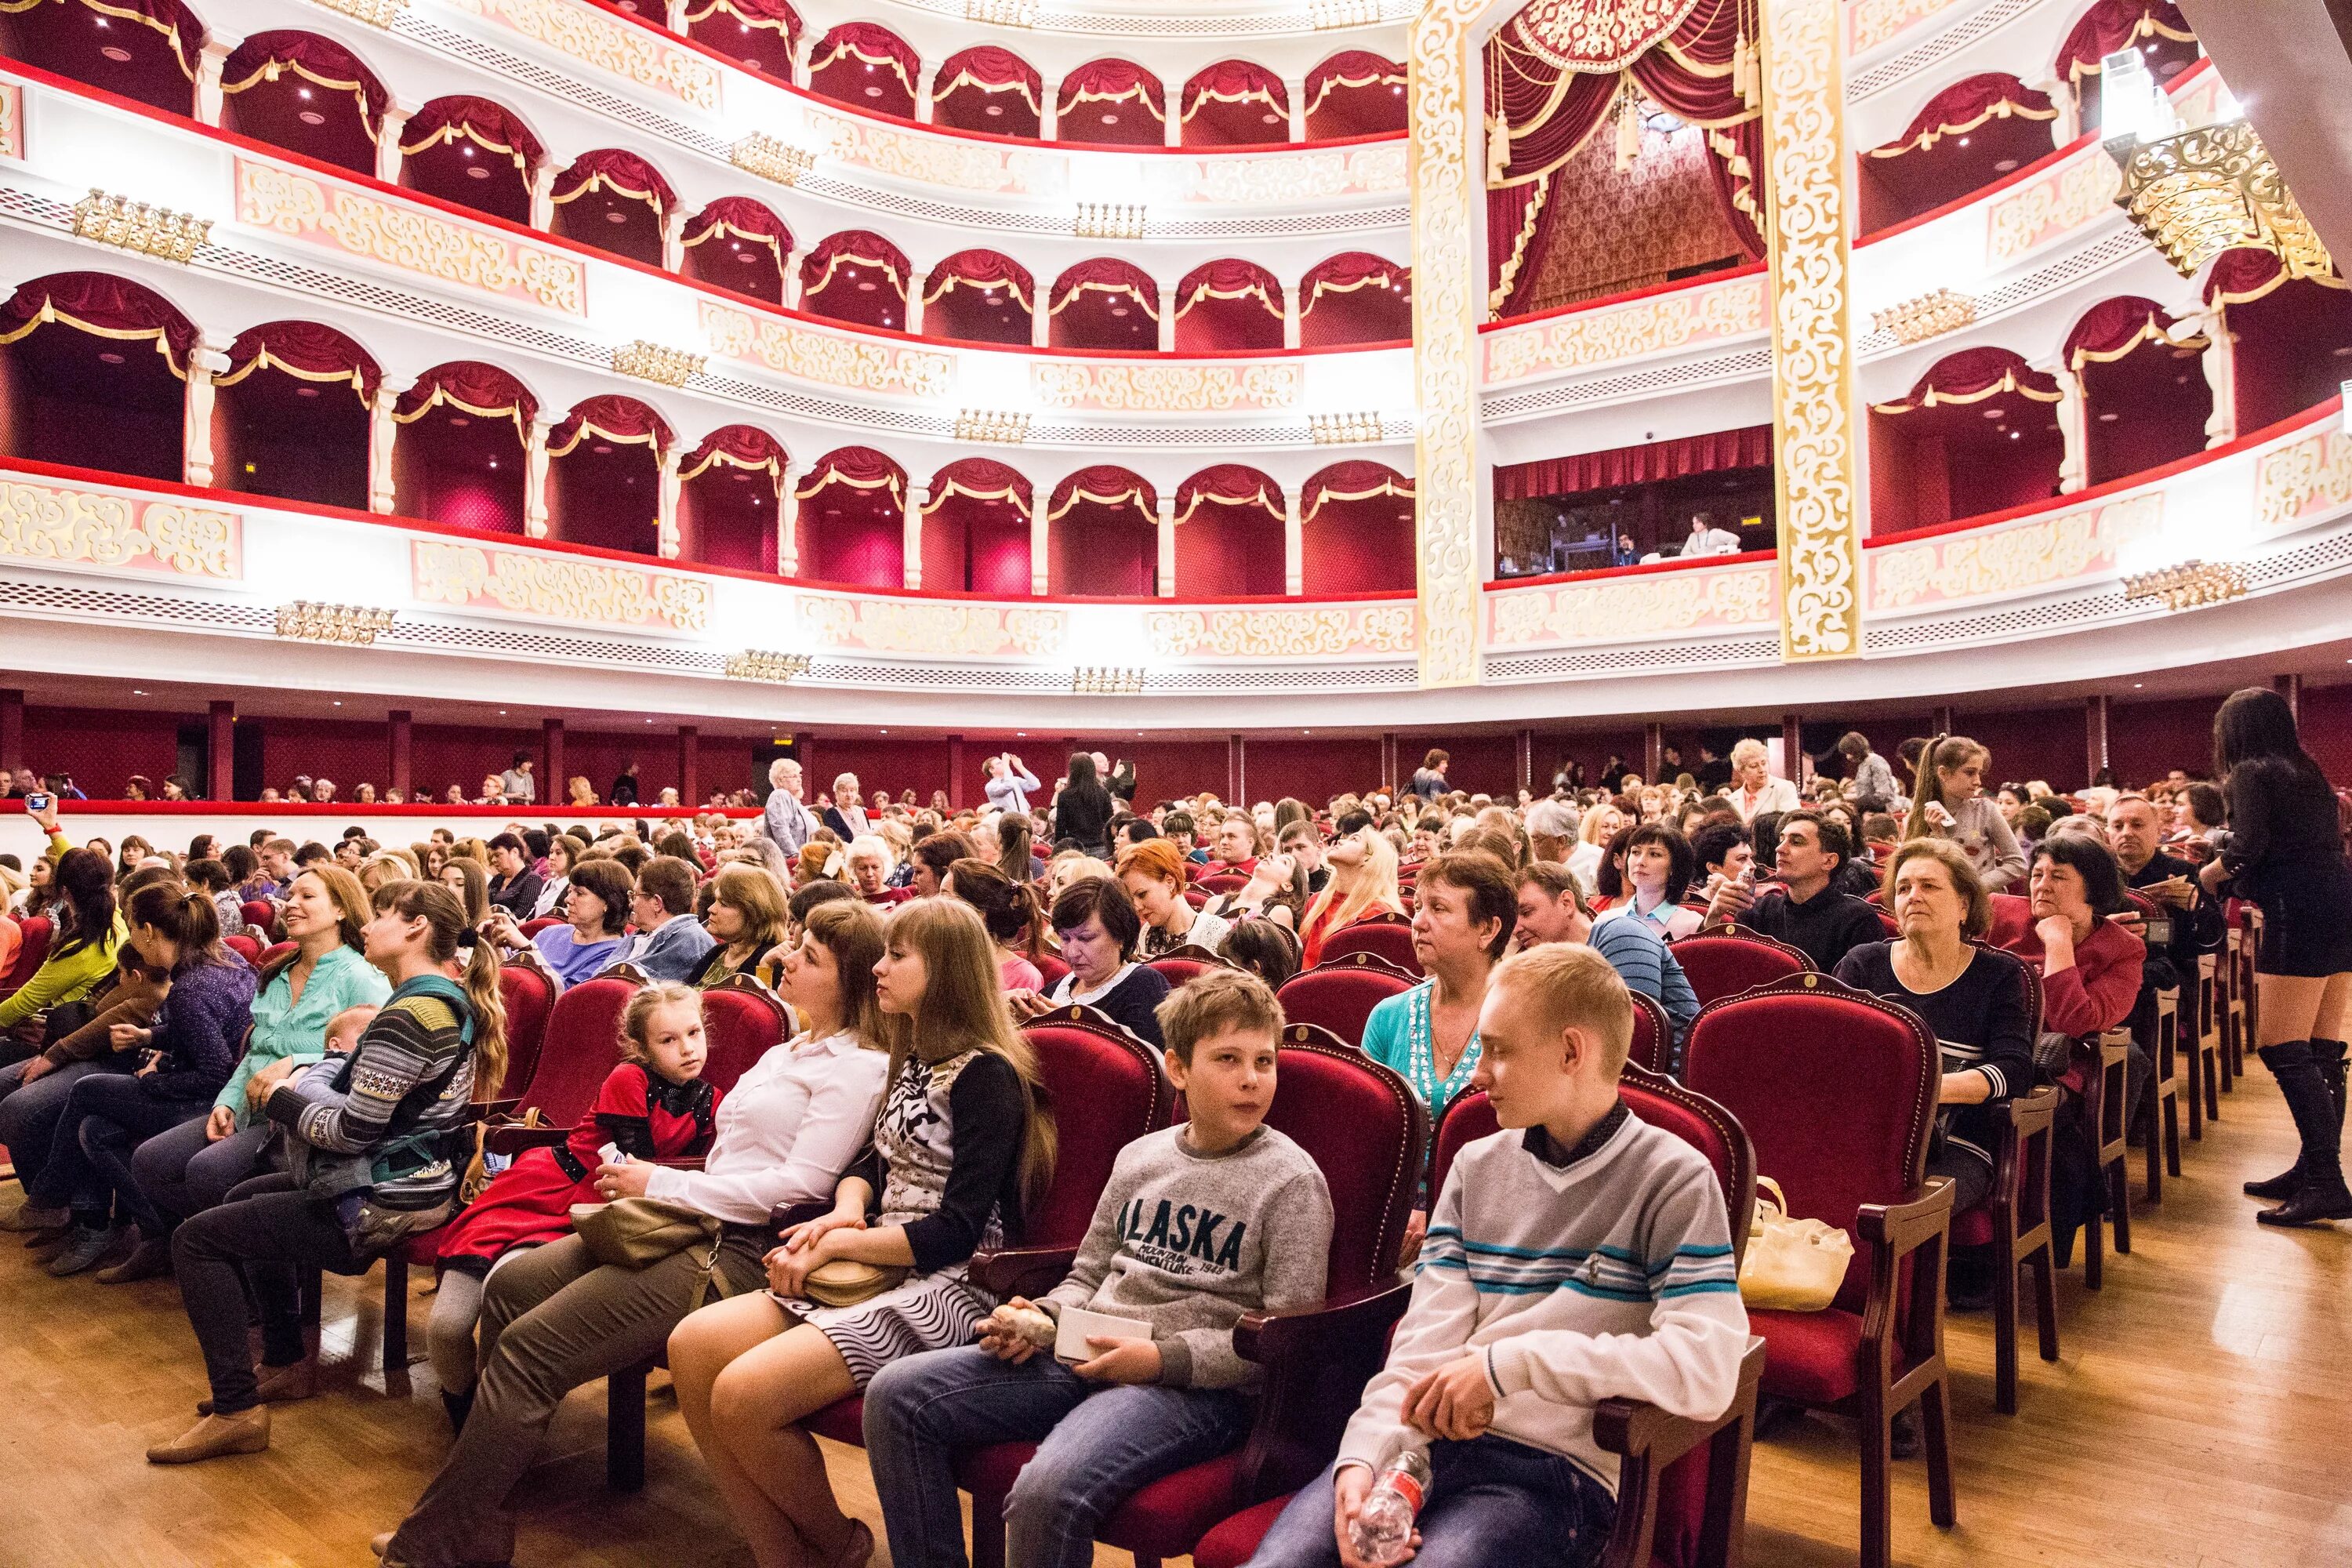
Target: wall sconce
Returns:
[[126, 224], [992, 426], [1001, 13], [651, 362], [1343, 429], [1929, 316], [1330, 14], [756, 664], [374, 13], [771, 159], [1090, 681], [2203, 191], [2188, 584], [1110, 220], [354, 625]]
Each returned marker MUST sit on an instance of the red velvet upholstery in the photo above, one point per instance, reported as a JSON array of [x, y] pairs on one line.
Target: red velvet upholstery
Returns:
[[743, 1021], [1387, 936], [1719, 966], [1051, 969], [1232, 1543], [1108, 1091], [243, 946], [528, 1000], [844, 1421], [531, 928], [1341, 994], [261, 915], [583, 1034], [276, 951], [32, 950], [1183, 970], [1222, 882], [1654, 1033]]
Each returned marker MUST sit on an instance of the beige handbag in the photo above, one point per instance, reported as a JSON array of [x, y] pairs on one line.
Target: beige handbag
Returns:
[[1791, 1264], [637, 1233], [845, 1282]]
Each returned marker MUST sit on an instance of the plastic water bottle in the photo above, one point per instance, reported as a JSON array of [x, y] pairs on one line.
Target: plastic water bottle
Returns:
[[1382, 1528]]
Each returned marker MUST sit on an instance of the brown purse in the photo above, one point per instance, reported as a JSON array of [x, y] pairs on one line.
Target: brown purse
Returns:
[[845, 1282], [637, 1233]]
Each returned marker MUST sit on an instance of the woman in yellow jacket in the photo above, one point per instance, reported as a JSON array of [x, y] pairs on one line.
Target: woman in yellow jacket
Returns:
[[90, 934]]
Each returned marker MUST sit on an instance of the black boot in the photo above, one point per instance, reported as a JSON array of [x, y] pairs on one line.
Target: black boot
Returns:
[[459, 1406], [2327, 1056], [2321, 1194]]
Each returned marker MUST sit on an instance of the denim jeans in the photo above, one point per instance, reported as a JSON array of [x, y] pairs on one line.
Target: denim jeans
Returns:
[[183, 1172], [106, 1117], [1099, 1444], [29, 1112], [1490, 1500]]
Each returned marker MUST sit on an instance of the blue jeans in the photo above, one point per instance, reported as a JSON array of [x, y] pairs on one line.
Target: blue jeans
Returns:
[[1490, 1500], [1099, 1444]]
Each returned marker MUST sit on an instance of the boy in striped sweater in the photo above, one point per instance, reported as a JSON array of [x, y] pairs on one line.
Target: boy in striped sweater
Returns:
[[1578, 1255]]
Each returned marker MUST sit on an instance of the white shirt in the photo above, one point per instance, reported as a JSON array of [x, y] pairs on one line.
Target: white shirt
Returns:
[[785, 1131], [1711, 541]]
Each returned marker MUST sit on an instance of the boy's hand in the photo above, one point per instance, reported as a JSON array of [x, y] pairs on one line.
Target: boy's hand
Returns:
[[1349, 1488], [1454, 1401], [1416, 1226], [1002, 1337], [1121, 1361]]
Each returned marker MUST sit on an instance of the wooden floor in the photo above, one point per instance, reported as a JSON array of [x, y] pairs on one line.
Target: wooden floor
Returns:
[[2201, 1417]]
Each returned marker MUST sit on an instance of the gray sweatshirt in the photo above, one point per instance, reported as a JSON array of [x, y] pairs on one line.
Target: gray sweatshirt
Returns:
[[1191, 1242]]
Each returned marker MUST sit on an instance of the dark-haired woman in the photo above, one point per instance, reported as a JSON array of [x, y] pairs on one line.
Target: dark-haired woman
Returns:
[[2285, 851], [33, 1090], [1083, 810], [1098, 923], [1658, 868]]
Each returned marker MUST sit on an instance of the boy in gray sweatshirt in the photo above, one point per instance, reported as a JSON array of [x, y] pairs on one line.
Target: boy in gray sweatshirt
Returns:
[[1199, 1224]]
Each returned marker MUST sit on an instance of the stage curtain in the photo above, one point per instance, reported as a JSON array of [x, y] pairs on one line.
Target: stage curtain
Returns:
[[2113, 327], [1347, 272], [482, 390], [1351, 481], [988, 69], [870, 44], [980, 479], [1114, 82], [1105, 484], [107, 306], [859, 467], [981, 269], [739, 217], [486, 124], [1235, 81], [1107, 275], [264, 56], [852, 247], [612, 418], [1350, 69], [1972, 375], [2112, 25], [2245, 273], [1229, 484], [623, 174], [303, 349], [1230, 280], [1749, 447], [1965, 105], [735, 447], [768, 15]]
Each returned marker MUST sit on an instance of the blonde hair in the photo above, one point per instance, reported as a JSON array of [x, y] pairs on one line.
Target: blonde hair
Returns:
[[384, 866], [1375, 886], [755, 890], [1569, 984], [637, 1017], [1751, 748]]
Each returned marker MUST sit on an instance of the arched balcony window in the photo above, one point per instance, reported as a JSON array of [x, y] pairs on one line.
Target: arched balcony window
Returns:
[[1355, 532], [1106, 303], [978, 297], [1102, 535], [1354, 93], [2145, 400], [2289, 337], [1234, 103], [1968, 135], [1355, 298], [730, 495], [853, 519], [989, 90], [93, 372], [1229, 534], [291, 413], [856, 276], [1978, 433], [1228, 305], [463, 450], [473, 152], [739, 244], [305, 93], [615, 202], [1112, 103], [2154, 27], [976, 531], [604, 474], [144, 49], [761, 33], [867, 66]]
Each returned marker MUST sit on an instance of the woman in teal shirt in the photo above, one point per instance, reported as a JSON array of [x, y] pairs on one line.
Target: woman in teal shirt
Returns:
[[1464, 906]]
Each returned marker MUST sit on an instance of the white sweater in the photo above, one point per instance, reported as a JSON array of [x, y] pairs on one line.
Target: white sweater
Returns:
[[1609, 1276], [785, 1131]]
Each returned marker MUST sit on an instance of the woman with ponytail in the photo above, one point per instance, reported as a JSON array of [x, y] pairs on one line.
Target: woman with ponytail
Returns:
[[370, 1139], [1948, 801]]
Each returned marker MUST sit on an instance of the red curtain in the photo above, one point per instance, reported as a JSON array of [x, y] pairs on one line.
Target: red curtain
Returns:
[[1229, 484], [1970, 377], [264, 56], [772, 15], [612, 418], [852, 247], [2243, 274], [981, 479], [174, 21], [1750, 447], [871, 44], [482, 390], [981, 269], [861, 468], [623, 174], [1105, 484], [987, 68], [1357, 481], [1349, 68], [2113, 328], [1965, 105], [739, 217], [477, 119], [1114, 82], [1349, 271], [303, 348], [107, 306], [1235, 81], [2113, 25], [1230, 280], [1107, 274], [737, 446]]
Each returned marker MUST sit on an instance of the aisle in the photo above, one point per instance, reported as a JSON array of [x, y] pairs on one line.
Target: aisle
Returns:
[[2200, 1418]]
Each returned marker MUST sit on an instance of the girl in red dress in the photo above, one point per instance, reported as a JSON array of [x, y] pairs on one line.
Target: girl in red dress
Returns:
[[654, 1106]]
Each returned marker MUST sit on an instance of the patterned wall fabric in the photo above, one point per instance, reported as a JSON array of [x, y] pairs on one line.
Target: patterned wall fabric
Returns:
[[1632, 229]]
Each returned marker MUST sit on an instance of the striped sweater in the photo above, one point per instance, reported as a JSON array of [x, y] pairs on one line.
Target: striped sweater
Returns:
[[411, 1073], [1607, 1274]]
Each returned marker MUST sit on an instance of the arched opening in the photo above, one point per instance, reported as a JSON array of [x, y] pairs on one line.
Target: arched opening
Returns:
[[1620, 506], [305, 93], [989, 90], [1978, 433], [856, 276], [976, 531], [1229, 525], [93, 373], [867, 66], [1355, 298], [1968, 135], [604, 474], [463, 447], [2291, 338], [149, 51], [738, 245], [614, 202], [290, 415], [1228, 305], [1106, 303], [853, 519], [731, 493], [978, 297], [1102, 535], [2155, 28], [759, 34], [1112, 103], [2145, 400], [473, 152], [1234, 103], [1354, 93], [1355, 532]]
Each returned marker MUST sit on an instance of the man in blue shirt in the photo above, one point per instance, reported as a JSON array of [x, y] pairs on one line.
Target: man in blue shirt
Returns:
[[1552, 909]]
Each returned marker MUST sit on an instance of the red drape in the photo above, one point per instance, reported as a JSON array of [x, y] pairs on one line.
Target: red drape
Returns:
[[264, 56], [871, 44], [181, 27], [1235, 81], [1356, 480], [1972, 375], [2244, 274], [1750, 447], [612, 418], [1114, 82], [303, 348], [772, 16], [980, 479], [987, 68], [861, 468], [482, 390], [1107, 274], [477, 119], [1349, 271], [2112, 25], [1231, 484], [737, 446], [2113, 328], [981, 269], [1351, 68], [739, 217], [852, 247], [1230, 280], [107, 306], [623, 174], [1105, 484], [1965, 105]]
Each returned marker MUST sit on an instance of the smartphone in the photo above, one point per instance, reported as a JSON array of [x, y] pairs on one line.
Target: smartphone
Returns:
[[36, 803]]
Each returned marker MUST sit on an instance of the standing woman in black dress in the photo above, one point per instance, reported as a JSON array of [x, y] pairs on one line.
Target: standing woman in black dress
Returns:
[[1083, 809], [2285, 853]]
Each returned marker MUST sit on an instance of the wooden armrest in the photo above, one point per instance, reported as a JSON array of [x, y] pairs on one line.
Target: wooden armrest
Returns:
[[678, 1163], [1266, 1337], [511, 1141], [487, 1108], [1637, 1430], [1028, 1271], [1649, 1439], [1903, 1227], [1317, 1361], [2032, 1113]]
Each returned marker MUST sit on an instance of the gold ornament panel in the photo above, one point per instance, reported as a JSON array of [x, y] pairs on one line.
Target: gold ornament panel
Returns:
[[1166, 388], [11, 121], [1637, 609], [58, 526], [636, 53], [1375, 169], [1335, 631], [415, 239], [556, 587], [951, 162], [2015, 558], [826, 358], [1870, 23], [1612, 334], [2294, 481], [1597, 34], [916, 626], [2025, 217]]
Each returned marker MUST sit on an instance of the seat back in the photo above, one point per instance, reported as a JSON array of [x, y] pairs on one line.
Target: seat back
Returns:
[[1050, 969], [1384, 936], [261, 915], [1222, 882], [276, 951], [1339, 994], [243, 946], [742, 1021], [1654, 1033], [528, 999], [1363, 1126], [34, 933], [1186, 964], [1725, 965], [1836, 1089], [583, 1041], [1108, 1091], [544, 922], [2012, 927]]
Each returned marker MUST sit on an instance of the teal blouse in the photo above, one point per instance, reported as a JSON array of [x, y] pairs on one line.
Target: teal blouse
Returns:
[[1397, 1035], [283, 1027]]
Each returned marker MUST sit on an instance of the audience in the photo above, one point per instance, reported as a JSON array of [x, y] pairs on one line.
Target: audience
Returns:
[[1009, 909], [1083, 809], [1551, 908], [1657, 872], [1753, 789], [596, 916], [1803, 908], [1098, 928], [1153, 871]]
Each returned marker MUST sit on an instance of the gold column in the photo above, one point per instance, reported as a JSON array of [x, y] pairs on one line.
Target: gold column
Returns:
[[1814, 429]]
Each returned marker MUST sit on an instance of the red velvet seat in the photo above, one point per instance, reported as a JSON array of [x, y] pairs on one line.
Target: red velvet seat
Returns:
[[1654, 1033], [534, 927], [1724, 963], [244, 947], [742, 1021], [33, 932], [1384, 936], [1222, 882], [1836, 1089], [261, 915], [1187, 964], [1339, 994], [1051, 969], [529, 999]]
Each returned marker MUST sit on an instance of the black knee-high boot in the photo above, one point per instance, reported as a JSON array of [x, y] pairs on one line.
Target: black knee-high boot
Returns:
[[2320, 1193], [2328, 1057]]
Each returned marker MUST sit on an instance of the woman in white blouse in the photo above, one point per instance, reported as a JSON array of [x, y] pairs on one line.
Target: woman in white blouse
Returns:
[[1753, 789], [555, 1318]]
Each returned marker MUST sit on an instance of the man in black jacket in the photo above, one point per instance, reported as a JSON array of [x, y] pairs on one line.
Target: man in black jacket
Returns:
[[1803, 910], [2134, 830]]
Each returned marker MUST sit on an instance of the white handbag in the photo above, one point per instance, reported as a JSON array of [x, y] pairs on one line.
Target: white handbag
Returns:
[[1791, 1264]]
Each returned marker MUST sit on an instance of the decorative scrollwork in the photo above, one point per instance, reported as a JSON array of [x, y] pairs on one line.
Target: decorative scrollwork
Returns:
[[1322, 632], [2016, 558], [1630, 609], [556, 587], [1636, 330], [639, 53], [54, 525], [826, 358], [1166, 388], [942, 629]]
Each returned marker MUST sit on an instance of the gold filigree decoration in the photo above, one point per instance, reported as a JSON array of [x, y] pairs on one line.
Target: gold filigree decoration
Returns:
[[410, 238], [991, 426], [2190, 586], [1108, 220], [353, 626], [374, 13], [955, 162], [126, 225], [11, 121], [2209, 190], [1870, 23], [1344, 429], [762, 155], [1329, 14], [2304, 476], [1812, 358], [1931, 315], [940, 629], [1166, 388], [1278, 178], [58, 526], [1002, 13], [2078, 192], [2021, 557], [1106, 680], [1636, 330], [638, 54], [652, 362], [757, 664], [556, 587], [807, 354], [1596, 35], [1327, 632], [1634, 609]]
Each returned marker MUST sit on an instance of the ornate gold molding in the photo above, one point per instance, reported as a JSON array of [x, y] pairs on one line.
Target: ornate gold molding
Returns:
[[1334, 631], [654, 362], [1344, 429], [1931, 315], [1871, 22], [11, 121], [809, 354], [1211, 388], [557, 587], [1813, 424], [2204, 191], [928, 159], [993, 426], [638, 54], [943, 629], [126, 225], [2077, 192], [53, 525], [354, 625], [758, 664], [2024, 557], [1632, 609], [762, 155], [1612, 334], [1108, 681], [374, 13], [2295, 480]]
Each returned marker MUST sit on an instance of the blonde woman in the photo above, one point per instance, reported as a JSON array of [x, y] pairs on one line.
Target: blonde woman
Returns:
[[1593, 831], [1363, 883]]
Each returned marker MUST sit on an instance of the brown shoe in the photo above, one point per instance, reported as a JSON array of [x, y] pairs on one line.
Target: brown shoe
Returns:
[[148, 1260], [248, 1432], [33, 1216], [279, 1385]]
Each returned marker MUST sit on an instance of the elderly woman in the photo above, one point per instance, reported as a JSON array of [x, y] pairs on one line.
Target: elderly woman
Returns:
[[1098, 927], [1753, 789], [869, 864], [748, 919]]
